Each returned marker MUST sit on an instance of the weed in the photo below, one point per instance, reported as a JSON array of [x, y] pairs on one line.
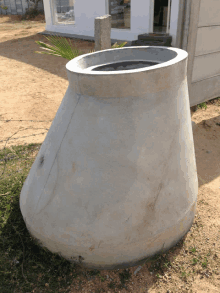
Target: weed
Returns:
[[202, 105], [124, 276], [184, 275], [116, 45], [102, 278], [159, 262], [194, 261], [158, 276], [204, 264], [167, 264], [193, 249]]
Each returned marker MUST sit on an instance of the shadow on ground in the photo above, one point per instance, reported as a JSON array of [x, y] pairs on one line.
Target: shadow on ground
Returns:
[[23, 49], [207, 150]]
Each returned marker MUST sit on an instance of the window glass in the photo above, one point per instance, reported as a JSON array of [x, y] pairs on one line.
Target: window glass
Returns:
[[64, 11], [120, 10]]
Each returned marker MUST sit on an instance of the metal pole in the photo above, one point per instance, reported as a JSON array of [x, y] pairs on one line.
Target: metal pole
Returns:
[[168, 17]]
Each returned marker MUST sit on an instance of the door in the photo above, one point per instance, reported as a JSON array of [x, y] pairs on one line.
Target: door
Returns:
[[160, 16]]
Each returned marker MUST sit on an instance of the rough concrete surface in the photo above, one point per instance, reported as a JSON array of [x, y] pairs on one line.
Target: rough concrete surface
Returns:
[[103, 32], [115, 180]]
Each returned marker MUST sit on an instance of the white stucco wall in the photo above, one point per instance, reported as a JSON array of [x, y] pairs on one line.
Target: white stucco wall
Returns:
[[86, 11]]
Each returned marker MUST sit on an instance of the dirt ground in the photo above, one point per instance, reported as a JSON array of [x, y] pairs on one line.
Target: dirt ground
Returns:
[[32, 87]]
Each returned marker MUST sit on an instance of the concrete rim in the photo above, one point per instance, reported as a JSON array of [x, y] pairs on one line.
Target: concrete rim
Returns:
[[73, 65]]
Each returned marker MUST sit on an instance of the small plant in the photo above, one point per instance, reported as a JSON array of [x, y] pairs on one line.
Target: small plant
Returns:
[[158, 276], [167, 264], [101, 278], [204, 264], [202, 105], [116, 45], [193, 249], [62, 48], [124, 276], [194, 261], [184, 275]]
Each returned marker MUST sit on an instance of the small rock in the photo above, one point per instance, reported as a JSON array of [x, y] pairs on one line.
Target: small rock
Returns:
[[208, 152], [137, 270]]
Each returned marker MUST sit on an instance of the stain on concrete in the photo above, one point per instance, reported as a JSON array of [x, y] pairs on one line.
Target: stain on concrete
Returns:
[[92, 247], [41, 161]]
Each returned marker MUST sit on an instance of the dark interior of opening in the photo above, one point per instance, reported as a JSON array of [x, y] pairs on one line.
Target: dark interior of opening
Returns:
[[125, 65], [160, 16]]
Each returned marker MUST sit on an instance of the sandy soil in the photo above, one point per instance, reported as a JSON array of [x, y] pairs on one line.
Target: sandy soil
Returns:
[[32, 87]]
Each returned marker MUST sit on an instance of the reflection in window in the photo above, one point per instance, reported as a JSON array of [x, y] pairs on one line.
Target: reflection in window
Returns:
[[64, 11], [120, 12]]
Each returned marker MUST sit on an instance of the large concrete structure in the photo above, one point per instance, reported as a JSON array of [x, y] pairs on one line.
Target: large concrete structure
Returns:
[[115, 180]]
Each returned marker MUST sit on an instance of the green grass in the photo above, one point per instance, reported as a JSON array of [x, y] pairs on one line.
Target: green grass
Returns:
[[194, 261], [205, 263], [24, 265], [202, 106], [193, 249]]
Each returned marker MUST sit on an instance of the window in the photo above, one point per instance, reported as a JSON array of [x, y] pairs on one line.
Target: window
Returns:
[[120, 10], [64, 11]]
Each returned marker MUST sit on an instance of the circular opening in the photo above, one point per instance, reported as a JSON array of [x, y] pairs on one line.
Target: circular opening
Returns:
[[125, 60], [125, 65]]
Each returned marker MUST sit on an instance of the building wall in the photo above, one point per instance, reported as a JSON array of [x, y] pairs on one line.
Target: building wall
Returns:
[[86, 11], [17, 7], [204, 45]]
